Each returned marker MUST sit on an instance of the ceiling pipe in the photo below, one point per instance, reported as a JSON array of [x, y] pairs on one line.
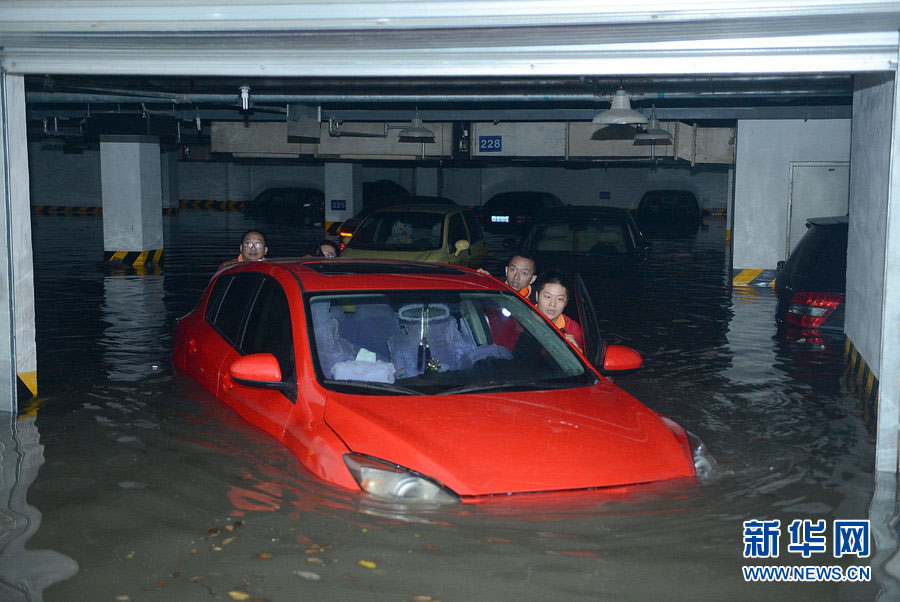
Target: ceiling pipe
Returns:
[[75, 97]]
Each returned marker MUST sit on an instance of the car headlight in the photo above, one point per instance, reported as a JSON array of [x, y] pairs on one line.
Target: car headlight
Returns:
[[704, 464], [385, 480]]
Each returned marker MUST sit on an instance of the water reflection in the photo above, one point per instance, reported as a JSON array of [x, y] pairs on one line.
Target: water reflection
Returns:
[[23, 573], [135, 341]]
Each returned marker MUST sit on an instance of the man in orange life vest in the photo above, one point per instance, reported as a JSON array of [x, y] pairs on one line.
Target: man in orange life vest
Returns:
[[253, 248], [520, 273], [552, 297]]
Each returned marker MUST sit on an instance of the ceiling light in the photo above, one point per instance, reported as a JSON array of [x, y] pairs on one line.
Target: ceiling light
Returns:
[[620, 112], [416, 131], [652, 131]]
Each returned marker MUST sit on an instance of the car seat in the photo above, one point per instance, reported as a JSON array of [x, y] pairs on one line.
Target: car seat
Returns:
[[330, 346], [556, 237]]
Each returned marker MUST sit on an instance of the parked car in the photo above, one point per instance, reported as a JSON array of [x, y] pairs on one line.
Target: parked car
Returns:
[[385, 377], [669, 212], [347, 228], [591, 239], [812, 283], [304, 206], [514, 212], [432, 233]]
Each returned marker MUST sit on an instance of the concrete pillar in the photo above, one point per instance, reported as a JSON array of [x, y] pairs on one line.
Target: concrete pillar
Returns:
[[343, 192], [427, 181], [131, 177], [18, 352], [889, 369]]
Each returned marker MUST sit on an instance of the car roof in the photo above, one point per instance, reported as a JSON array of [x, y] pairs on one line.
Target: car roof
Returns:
[[347, 274], [834, 220]]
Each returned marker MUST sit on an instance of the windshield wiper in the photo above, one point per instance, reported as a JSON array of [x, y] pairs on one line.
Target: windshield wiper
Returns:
[[526, 384], [372, 386]]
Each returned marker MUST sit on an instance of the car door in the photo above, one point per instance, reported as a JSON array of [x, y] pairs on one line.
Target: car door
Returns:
[[456, 230], [477, 244], [213, 340], [594, 345], [267, 329]]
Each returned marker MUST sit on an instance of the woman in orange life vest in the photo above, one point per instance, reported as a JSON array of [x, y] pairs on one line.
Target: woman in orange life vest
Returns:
[[551, 297], [253, 248]]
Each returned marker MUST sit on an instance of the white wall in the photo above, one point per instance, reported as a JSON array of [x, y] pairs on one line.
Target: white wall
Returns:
[[873, 102], [764, 152]]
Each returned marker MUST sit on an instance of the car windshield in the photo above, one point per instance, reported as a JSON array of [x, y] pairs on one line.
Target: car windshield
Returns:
[[437, 343], [604, 236], [400, 230]]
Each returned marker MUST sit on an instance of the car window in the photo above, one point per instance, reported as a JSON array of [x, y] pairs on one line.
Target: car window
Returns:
[[809, 250], [215, 298], [401, 230], [474, 226], [605, 236], [831, 268], [457, 229], [229, 319], [438, 342], [268, 327]]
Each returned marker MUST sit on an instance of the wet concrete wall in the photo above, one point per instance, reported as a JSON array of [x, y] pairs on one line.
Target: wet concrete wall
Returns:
[[764, 152], [869, 180]]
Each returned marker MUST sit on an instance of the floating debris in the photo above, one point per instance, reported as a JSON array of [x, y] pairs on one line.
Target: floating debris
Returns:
[[366, 563], [236, 595], [308, 575]]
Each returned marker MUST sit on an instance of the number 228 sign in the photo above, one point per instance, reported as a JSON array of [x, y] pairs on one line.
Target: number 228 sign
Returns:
[[490, 144]]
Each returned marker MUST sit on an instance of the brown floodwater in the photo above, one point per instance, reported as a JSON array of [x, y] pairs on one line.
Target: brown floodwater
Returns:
[[125, 480]]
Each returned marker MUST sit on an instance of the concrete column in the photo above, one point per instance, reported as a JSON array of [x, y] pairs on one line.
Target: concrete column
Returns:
[[889, 369], [343, 192], [427, 181], [18, 352], [131, 177]]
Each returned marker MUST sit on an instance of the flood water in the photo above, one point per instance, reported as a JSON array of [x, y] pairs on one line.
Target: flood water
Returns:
[[125, 480]]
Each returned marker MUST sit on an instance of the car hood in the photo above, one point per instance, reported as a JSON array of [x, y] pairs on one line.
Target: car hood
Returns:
[[515, 442]]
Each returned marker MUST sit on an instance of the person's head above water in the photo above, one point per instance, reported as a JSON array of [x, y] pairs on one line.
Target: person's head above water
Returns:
[[327, 248], [552, 293], [520, 271], [253, 246]]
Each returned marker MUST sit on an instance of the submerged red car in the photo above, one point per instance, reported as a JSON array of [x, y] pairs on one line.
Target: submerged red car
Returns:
[[422, 381]]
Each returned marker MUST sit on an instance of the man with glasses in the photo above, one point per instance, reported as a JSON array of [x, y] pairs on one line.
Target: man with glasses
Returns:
[[253, 248]]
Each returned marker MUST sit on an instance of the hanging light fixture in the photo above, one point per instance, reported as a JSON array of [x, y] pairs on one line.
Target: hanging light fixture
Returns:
[[620, 112], [652, 131], [416, 131]]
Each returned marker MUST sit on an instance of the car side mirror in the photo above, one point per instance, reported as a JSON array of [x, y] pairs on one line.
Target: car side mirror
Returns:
[[256, 370], [461, 245], [619, 358], [779, 266]]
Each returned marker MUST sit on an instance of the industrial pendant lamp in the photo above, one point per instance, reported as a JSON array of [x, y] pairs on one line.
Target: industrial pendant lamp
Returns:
[[416, 131], [620, 112], [652, 131]]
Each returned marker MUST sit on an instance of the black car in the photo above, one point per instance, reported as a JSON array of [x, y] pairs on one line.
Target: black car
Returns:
[[347, 228], [591, 239], [669, 213], [514, 212], [303, 206], [812, 283]]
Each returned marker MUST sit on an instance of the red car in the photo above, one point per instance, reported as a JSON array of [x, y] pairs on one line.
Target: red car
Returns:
[[422, 381]]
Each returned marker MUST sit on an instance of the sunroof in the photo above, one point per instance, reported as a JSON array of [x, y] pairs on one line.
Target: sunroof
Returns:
[[352, 267]]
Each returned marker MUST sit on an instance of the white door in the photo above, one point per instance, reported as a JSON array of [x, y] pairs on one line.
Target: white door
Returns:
[[817, 190]]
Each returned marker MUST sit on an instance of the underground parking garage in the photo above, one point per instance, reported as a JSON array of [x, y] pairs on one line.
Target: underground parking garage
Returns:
[[744, 157]]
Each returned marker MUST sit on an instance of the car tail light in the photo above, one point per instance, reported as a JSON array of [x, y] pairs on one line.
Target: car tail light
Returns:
[[810, 310]]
